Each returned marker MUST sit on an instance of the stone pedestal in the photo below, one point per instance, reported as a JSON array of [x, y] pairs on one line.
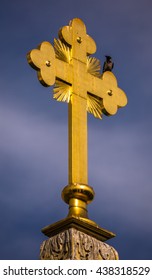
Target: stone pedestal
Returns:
[[76, 239]]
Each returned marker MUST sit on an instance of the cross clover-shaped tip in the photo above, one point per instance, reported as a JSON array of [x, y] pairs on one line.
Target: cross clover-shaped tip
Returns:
[[75, 34], [114, 97], [43, 60]]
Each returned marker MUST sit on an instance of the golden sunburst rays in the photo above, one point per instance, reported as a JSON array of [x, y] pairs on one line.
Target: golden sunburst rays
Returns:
[[94, 105], [93, 66], [62, 51], [62, 91]]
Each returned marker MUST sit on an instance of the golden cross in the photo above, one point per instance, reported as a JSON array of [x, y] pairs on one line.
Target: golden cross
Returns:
[[78, 81]]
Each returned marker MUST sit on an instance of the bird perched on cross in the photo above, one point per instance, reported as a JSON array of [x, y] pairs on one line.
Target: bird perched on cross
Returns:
[[108, 64]]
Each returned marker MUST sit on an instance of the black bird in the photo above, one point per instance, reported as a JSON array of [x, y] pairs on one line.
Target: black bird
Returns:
[[108, 64]]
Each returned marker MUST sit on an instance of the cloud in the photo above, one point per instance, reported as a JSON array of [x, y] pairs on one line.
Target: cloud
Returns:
[[33, 153], [33, 172], [121, 171]]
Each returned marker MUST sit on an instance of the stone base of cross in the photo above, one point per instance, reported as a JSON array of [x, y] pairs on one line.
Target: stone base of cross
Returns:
[[73, 239]]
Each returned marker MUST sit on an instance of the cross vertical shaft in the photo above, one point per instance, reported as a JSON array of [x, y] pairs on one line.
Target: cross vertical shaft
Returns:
[[78, 151], [78, 167]]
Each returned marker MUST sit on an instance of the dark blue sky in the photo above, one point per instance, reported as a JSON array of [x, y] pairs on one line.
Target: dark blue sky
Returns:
[[33, 127]]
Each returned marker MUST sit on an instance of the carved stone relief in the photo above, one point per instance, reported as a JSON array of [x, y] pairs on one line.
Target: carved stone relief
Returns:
[[72, 244]]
